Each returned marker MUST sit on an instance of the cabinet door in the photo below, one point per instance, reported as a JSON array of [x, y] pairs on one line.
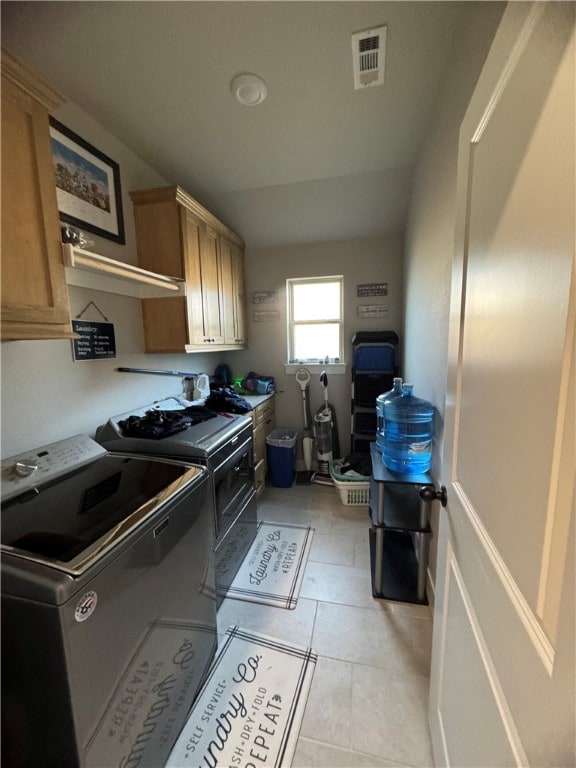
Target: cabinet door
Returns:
[[202, 269], [233, 292], [191, 248], [166, 324], [238, 294], [230, 335], [212, 299], [34, 292], [259, 443], [264, 419]]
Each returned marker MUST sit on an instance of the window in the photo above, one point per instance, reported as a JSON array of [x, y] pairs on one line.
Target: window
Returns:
[[315, 319]]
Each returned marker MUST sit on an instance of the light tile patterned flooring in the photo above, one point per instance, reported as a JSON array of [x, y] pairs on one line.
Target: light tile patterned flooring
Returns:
[[367, 707]]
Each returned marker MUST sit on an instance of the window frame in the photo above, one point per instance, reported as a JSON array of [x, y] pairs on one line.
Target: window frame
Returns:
[[292, 362]]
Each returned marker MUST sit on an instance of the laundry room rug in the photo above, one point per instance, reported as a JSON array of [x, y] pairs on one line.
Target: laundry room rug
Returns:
[[250, 708], [273, 568]]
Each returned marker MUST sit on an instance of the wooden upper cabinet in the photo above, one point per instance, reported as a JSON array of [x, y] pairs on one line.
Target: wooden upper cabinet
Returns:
[[179, 237], [34, 292]]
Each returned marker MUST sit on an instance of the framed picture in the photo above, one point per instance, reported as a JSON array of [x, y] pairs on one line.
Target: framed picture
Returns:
[[87, 185]]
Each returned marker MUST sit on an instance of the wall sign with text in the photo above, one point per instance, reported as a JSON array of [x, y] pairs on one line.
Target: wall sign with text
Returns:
[[264, 297], [266, 316], [372, 310], [96, 342], [372, 289]]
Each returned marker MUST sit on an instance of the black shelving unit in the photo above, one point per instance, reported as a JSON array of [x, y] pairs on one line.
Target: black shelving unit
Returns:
[[400, 533], [374, 366]]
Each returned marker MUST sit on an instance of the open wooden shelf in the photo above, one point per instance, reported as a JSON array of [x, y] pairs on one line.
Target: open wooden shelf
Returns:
[[91, 270]]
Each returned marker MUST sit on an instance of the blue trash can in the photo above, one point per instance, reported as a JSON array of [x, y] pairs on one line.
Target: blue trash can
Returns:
[[281, 447]]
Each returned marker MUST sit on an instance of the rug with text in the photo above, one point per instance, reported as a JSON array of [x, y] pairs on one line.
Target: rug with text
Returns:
[[250, 708], [273, 568]]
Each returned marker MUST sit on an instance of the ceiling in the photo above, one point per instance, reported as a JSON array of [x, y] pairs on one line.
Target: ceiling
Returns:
[[316, 161]]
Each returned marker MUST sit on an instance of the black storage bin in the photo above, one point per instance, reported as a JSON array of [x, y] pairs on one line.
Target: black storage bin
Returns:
[[365, 422], [362, 444], [375, 363], [375, 357], [367, 387], [375, 337]]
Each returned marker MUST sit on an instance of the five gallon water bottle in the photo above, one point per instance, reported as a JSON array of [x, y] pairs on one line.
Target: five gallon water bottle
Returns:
[[408, 427], [385, 397]]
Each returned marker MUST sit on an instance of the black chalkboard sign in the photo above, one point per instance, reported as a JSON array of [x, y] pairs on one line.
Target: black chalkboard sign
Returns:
[[96, 342]]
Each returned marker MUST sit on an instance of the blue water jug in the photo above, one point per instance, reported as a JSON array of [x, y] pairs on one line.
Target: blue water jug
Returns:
[[385, 397], [408, 429]]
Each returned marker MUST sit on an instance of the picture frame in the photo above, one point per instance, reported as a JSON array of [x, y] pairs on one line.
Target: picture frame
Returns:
[[87, 185]]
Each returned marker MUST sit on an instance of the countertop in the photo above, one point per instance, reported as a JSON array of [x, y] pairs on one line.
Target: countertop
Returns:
[[256, 400]]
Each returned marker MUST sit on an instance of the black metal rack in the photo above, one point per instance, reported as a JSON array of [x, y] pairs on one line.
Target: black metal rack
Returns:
[[400, 532], [375, 363]]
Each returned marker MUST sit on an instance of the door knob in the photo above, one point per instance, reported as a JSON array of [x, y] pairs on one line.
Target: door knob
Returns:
[[429, 493]]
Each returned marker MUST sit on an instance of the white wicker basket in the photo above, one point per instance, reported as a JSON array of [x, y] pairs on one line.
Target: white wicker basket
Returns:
[[353, 492]]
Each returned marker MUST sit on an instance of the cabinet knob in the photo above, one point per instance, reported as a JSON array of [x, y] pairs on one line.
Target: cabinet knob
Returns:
[[429, 493]]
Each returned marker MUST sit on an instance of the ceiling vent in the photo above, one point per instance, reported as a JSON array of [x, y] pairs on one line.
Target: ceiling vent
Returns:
[[368, 55]]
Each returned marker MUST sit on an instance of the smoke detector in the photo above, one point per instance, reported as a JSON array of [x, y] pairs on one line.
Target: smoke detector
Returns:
[[368, 55], [249, 89]]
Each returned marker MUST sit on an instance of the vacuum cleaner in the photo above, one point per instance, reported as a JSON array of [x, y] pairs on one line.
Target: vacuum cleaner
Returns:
[[323, 425], [303, 379]]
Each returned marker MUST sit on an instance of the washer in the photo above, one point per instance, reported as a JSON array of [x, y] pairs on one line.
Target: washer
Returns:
[[108, 604]]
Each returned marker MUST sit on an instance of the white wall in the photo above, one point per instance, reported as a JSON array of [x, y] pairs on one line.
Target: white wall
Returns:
[[430, 230], [46, 396], [359, 261]]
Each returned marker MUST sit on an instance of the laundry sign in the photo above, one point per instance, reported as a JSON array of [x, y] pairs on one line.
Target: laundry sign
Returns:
[[372, 310], [372, 289], [264, 297], [266, 316], [97, 340]]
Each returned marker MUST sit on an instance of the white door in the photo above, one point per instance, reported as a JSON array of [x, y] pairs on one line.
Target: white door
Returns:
[[503, 677]]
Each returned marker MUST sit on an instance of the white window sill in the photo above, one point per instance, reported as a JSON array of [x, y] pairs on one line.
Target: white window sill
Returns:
[[330, 368]]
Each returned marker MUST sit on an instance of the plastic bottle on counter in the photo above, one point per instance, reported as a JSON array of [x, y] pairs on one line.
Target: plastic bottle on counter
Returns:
[[385, 397], [408, 431]]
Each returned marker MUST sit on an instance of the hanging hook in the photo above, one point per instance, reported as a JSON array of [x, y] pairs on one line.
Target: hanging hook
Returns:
[[91, 303]]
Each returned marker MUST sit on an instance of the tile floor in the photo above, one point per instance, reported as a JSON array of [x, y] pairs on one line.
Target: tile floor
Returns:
[[367, 707]]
